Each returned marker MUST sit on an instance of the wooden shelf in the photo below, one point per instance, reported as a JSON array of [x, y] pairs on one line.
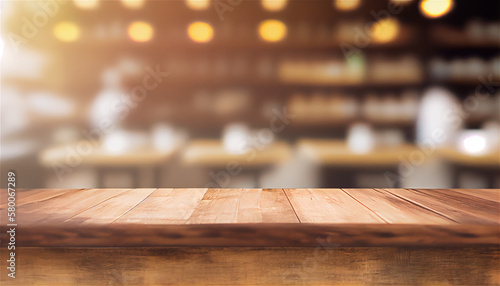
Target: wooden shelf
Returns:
[[336, 153], [450, 38], [451, 154], [99, 157], [211, 153]]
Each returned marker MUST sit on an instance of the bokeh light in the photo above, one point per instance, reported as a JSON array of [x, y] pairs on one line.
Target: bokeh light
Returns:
[[347, 5], [86, 4], [133, 4], [200, 32], [140, 31], [272, 30], [474, 144], [274, 5], [385, 30], [435, 8], [67, 31], [401, 2], [198, 4]]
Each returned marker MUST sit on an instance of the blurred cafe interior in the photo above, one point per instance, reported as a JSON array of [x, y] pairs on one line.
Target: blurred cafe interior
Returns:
[[251, 93]]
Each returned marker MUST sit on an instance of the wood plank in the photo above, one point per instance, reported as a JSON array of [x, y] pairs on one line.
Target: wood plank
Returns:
[[243, 206], [113, 208], [222, 217], [24, 197], [255, 234], [393, 209], [165, 206], [256, 266], [329, 206], [58, 209], [451, 207], [486, 209], [487, 194]]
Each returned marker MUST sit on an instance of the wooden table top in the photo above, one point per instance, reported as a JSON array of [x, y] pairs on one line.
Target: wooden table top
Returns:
[[255, 217], [211, 153], [336, 153]]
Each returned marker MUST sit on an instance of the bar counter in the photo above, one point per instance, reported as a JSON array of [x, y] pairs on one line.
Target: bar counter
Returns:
[[255, 236]]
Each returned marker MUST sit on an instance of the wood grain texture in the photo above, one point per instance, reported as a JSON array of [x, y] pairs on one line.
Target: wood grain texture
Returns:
[[243, 206], [486, 209], [257, 266], [257, 234], [165, 206], [59, 209], [258, 217], [487, 194], [393, 209], [24, 197], [329, 206], [112, 209], [453, 206]]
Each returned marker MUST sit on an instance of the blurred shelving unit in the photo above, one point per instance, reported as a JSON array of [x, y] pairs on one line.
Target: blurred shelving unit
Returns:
[[237, 76]]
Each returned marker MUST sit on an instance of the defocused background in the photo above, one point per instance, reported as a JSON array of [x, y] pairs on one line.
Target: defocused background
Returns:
[[247, 93]]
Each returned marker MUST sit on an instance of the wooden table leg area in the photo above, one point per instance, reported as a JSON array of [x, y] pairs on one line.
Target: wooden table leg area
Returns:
[[256, 266]]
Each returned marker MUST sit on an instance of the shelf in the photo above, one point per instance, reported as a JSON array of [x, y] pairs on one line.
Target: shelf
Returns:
[[452, 155], [336, 153], [447, 37], [211, 153], [96, 156]]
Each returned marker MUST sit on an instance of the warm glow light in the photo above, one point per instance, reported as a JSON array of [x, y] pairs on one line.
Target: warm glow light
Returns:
[[67, 32], [235, 138], [401, 2], [140, 31], [385, 30], [272, 30], [360, 138], [117, 142], [133, 4], [86, 4], [347, 5], [163, 136], [274, 5], [200, 32], [474, 144], [435, 8], [198, 4]]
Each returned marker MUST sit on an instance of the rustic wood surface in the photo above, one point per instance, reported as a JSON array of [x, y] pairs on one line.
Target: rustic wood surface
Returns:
[[256, 217], [325, 265]]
